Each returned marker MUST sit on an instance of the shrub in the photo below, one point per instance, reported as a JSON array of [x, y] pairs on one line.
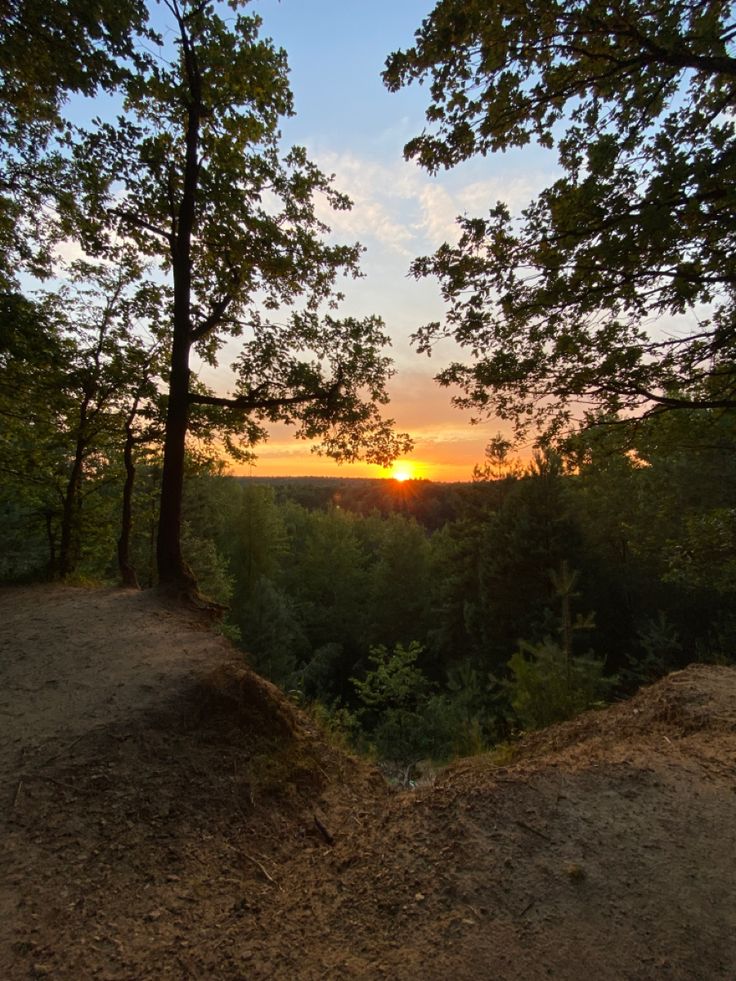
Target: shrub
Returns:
[[549, 686]]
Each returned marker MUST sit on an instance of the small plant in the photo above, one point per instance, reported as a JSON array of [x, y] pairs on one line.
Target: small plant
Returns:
[[548, 687], [405, 720], [660, 648], [395, 681], [503, 754], [338, 724]]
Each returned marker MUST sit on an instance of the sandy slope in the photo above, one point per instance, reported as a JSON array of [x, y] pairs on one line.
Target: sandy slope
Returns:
[[159, 811]]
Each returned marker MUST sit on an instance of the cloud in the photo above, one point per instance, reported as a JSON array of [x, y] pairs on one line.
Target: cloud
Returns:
[[65, 253], [403, 209], [438, 213], [516, 192], [380, 197]]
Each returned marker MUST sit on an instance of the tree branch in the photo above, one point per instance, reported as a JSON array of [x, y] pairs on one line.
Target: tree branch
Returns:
[[134, 219], [213, 319]]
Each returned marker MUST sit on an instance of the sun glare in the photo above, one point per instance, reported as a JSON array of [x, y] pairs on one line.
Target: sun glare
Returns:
[[401, 473]]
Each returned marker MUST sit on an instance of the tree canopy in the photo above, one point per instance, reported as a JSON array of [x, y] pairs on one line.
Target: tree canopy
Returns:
[[613, 292], [49, 51]]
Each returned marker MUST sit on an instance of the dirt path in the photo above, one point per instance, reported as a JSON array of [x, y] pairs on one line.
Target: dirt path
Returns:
[[167, 815], [73, 659]]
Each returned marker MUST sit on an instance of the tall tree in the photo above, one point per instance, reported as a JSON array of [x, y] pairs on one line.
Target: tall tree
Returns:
[[534, 530], [192, 172], [399, 585], [557, 308], [107, 379]]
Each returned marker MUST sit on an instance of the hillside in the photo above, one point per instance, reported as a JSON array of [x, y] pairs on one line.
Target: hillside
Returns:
[[167, 814]]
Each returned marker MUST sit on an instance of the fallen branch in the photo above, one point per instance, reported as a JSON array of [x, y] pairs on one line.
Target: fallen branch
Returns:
[[16, 795], [58, 783], [62, 751]]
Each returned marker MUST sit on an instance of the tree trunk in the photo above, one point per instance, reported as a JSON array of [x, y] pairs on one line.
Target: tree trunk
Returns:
[[69, 545], [172, 569], [153, 531], [51, 539], [127, 572]]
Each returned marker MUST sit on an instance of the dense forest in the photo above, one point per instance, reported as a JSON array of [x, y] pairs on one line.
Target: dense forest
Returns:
[[418, 620]]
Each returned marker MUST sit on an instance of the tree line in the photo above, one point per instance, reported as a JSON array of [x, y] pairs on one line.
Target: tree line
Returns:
[[552, 586]]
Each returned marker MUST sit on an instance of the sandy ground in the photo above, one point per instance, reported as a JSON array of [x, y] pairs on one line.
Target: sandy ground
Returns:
[[166, 814]]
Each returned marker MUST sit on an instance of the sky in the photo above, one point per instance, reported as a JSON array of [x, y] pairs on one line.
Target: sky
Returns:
[[355, 129]]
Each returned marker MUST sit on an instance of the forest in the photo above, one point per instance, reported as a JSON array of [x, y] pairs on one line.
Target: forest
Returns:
[[415, 620]]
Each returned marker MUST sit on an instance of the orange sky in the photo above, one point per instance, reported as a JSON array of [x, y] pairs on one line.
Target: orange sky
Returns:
[[446, 448]]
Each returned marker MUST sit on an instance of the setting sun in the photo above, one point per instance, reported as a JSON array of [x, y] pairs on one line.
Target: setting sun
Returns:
[[402, 472]]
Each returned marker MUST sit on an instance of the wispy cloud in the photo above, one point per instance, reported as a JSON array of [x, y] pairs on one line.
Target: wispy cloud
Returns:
[[381, 196], [406, 211]]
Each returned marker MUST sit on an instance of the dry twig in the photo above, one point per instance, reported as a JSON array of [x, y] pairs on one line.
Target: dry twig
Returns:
[[16, 795], [260, 866], [534, 831]]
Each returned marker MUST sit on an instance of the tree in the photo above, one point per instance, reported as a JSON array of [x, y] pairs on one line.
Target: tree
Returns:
[[326, 575], [557, 307], [399, 583], [271, 635], [76, 372], [192, 173], [549, 683], [255, 539], [546, 687], [112, 372], [47, 52], [535, 529], [33, 355], [52, 49], [500, 464]]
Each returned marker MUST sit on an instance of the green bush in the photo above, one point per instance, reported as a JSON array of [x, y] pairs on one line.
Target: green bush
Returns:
[[549, 686]]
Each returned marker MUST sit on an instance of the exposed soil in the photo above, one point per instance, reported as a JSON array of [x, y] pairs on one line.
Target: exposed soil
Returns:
[[167, 814]]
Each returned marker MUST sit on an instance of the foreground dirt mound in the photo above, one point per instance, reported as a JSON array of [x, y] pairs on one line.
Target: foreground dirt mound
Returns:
[[168, 814]]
